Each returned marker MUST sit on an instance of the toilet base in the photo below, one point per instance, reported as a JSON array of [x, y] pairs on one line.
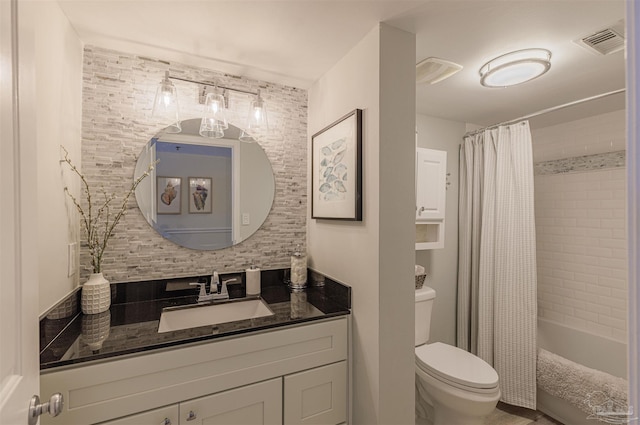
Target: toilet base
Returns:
[[424, 406], [443, 405]]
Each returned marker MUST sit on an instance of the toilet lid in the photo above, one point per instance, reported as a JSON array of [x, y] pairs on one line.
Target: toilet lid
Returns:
[[453, 364]]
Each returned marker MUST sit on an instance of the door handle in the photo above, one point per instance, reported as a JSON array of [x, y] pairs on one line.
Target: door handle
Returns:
[[53, 407]]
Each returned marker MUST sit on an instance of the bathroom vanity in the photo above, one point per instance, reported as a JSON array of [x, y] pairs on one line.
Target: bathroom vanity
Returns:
[[290, 367]]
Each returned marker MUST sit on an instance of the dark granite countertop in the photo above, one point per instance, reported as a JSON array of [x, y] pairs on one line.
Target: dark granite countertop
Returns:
[[68, 337]]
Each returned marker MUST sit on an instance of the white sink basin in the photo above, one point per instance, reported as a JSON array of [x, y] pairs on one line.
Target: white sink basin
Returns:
[[213, 314]]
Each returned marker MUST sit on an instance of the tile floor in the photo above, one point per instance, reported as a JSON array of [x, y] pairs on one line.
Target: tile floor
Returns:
[[511, 415]]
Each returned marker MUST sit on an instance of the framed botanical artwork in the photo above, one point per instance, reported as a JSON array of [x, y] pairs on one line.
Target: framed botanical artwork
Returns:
[[169, 199], [200, 195], [336, 170]]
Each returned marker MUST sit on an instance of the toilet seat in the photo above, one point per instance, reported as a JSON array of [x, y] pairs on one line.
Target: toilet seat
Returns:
[[456, 367]]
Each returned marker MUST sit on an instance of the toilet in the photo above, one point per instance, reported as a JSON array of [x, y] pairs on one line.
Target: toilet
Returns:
[[452, 385]]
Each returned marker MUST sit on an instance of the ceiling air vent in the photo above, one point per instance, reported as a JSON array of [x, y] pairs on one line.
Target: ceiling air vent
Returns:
[[434, 70], [606, 41]]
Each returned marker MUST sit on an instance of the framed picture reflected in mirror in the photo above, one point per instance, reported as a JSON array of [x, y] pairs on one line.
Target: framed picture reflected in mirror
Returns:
[[200, 195]]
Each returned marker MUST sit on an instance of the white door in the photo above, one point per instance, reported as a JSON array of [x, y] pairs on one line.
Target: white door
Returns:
[[633, 199], [18, 220]]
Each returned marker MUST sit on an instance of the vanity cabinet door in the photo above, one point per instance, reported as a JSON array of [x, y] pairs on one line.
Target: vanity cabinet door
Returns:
[[167, 415], [316, 396], [255, 404]]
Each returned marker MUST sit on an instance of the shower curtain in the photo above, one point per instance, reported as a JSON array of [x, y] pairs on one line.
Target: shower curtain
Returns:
[[497, 301]]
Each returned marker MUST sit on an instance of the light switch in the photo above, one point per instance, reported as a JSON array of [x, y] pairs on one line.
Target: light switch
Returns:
[[72, 261], [245, 219]]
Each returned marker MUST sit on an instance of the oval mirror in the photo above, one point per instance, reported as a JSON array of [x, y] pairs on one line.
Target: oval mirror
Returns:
[[204, 193]]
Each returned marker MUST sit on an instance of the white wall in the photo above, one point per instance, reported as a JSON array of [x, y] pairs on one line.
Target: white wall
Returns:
[[59, 90], [375, 256], [442, 264]]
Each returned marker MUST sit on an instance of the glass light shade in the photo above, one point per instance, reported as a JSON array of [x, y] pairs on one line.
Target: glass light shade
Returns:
[[246, 137], [515, 68], [214, 120], [257, 118], [165, 105], [211, 128]]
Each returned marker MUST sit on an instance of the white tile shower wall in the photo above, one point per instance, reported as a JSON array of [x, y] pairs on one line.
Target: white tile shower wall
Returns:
[[588, 136], [118, 94], [581, 248]]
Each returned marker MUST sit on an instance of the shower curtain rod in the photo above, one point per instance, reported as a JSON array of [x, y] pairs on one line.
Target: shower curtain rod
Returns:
[[544, 111]]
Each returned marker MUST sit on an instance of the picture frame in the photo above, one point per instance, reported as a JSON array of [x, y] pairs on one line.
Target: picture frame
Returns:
[[200, 195], [169, 199], [336, 169]]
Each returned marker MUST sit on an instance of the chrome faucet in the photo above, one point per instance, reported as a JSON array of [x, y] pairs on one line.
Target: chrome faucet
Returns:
[[217, 290]]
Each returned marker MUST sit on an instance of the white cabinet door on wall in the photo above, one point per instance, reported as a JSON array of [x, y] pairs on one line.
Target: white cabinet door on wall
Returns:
[[431, 184], [257, 404], [316, 396]]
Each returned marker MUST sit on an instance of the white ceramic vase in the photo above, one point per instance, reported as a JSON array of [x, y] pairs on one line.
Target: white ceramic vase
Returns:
[[96, 294]]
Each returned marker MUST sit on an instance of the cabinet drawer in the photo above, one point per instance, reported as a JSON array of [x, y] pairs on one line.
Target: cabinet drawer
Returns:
[[163, 416], [316, 396]]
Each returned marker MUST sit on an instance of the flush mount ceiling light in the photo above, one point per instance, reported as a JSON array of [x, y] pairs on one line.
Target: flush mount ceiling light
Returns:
[[515, 68]]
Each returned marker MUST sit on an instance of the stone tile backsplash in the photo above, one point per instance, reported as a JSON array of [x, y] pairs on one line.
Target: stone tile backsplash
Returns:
[[118, 93], [601, 161]]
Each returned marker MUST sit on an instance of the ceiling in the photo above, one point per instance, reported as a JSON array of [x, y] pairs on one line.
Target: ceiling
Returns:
[[295, 42]]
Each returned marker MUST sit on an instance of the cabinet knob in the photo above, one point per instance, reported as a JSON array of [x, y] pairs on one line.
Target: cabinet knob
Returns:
[[192, 416], [53, 407], [421, 210], [166, 421]]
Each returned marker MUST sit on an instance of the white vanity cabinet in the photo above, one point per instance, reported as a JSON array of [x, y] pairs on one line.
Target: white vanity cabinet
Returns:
[[290, 375], [431, 191]]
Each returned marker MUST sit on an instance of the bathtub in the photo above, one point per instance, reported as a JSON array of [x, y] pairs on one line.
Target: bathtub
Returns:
[[589, 350]]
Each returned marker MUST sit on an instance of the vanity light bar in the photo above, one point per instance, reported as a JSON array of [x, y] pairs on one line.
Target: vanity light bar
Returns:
[[205, 84]]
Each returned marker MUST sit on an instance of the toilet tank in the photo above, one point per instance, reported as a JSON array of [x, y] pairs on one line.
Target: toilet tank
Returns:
[[424, 303]]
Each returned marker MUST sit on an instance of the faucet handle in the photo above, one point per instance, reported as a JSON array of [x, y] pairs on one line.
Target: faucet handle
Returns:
[[232, 280], [203, 289]]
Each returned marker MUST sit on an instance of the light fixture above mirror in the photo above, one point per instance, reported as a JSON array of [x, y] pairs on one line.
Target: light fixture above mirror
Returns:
[[165, 104], [214, 118], [515, 68]]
